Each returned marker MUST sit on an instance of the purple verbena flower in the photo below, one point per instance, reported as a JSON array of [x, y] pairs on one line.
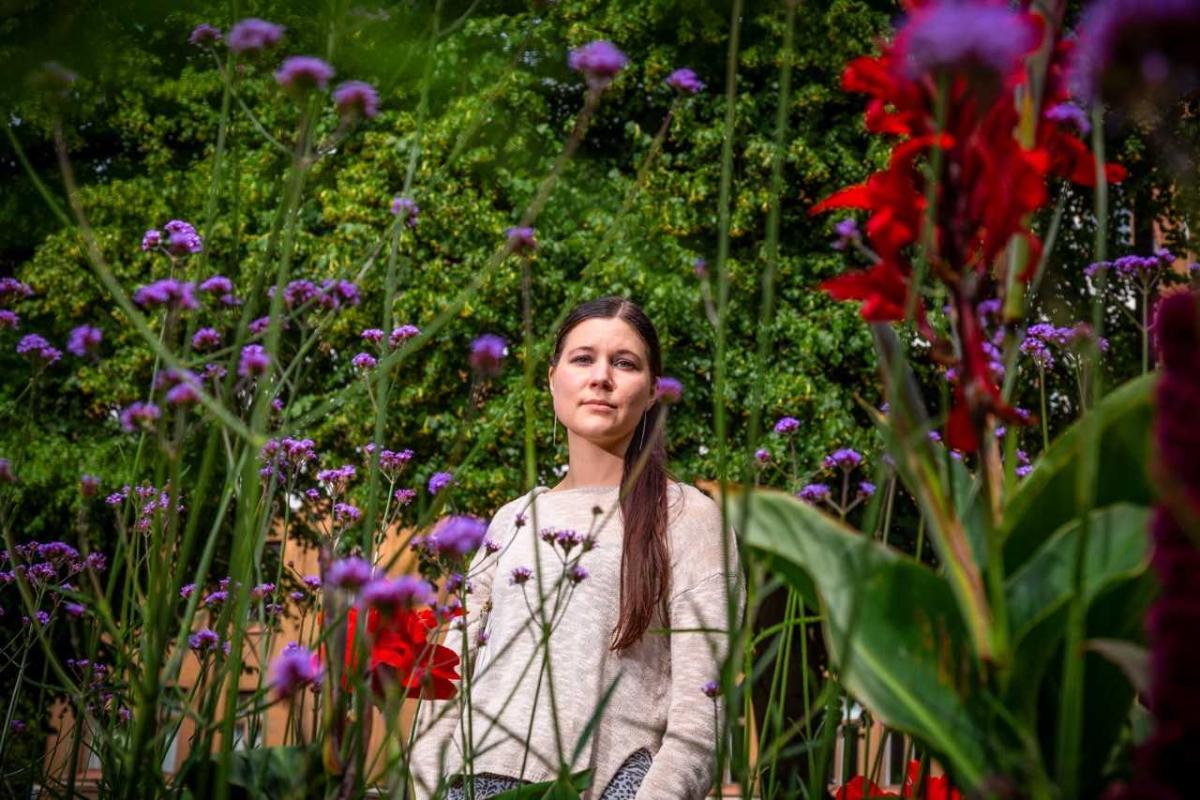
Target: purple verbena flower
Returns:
[[349, 573], [403, 334], [577, 574], [1069, 114], [252, 35], [685, 81], [84, 340], [457, 535], [814, 493], [787, 425], [206, 339], [294, 669], [9, 319], [439, 481], [151, 239], [38, 350], [407, 591], [204, 34], [847, 232], [865, 488], [372, 335], [364, 362], [487, 354], [204, 640], [186, 590], [345, 512], [520, 575], [217, 285], [182, 238], [356, 99], [89, 485], [762, 456], [405, 496], [166, 292], [711, 689], [979, 36], [301, 73], [255, 361], [668, 390], [407, 209], [139, 415], [599, 61], [521, 240]]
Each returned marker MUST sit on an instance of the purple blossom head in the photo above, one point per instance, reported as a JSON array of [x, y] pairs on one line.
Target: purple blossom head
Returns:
[[393, 461], [151, 239], [9, 319], [186, 590], [487, 354], [74, 609], [847, 232], [204, 640], [354, 99], [294, 669], [1069, 114], [711, 689], [301, 73], [345, 512], [349, 573], [976, 36], [407, 591], [1036, 349], [84, 340], [139, 415], [204, 35], [167, 292], [519, 576], [254, 361], [577, 574], [372, 335], [252, 35], [405, 496], [787, 425], [89, 485], [521, 240], [439, 481], [866, 489], [814, 493], [217, 285], [364, 362], [216, 598], [182, 238], [184, 393], [206, 339], [762, 456], [668, 390], [337, 479], [407, 209], [259, 325], [11, 288], [700, 267], [457, 536], [1136, 53], [403, 334], [38, 350], [311, 582], [684, 81], [599, 61]]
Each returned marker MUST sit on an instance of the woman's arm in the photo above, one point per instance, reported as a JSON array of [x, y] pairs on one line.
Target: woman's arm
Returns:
[[438, 735], [683, 767]]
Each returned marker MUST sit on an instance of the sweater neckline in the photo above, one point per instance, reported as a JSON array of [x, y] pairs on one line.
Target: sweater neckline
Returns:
[[593, 489]]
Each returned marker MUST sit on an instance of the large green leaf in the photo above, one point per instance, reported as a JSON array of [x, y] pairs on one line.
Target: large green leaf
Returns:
[[1039, 592], [893, 627], [566, 787], [1046, 499]]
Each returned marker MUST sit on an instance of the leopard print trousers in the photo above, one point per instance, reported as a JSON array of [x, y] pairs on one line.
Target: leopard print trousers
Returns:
[[623, 786]]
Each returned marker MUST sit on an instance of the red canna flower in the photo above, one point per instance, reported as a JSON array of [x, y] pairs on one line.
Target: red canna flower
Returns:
[[403, 655], [860, 788], [934, 788]]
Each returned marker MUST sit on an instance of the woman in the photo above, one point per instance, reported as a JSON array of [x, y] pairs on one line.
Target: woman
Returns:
[[615, 570]]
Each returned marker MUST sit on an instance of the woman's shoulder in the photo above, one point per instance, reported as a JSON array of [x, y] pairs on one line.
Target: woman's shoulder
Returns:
[[686, 502]]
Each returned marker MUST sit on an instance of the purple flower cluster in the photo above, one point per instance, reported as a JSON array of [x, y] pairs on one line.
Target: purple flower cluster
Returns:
[[294, 669], [406, 208], [9, 319], [685, 81], [139, 415], [84, 340], [976, 36], [287, 457], [487, 354], [1040, 337], [38, 350], [847, 232], [668, 390], [521, 240], [364, 362], [439, 481], [844, 458], [407, 591], [599, 61], [356, 99], [204, 35], [252, 35], [349, 573], [302, 73], [168, 292], [1132, 266], [345, 512], [787, 425], [403, 334], [814, 493], [520, 576], [204, 640], [455, 536], [206, 339], [254, 361], [13, 289]]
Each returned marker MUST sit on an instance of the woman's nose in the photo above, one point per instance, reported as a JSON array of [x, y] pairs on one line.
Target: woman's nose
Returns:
[[600, 374]]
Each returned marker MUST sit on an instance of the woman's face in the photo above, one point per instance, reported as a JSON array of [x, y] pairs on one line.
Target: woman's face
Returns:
[[602, 383]]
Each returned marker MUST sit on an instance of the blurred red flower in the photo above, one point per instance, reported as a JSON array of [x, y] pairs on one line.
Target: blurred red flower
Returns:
[[403, 655]]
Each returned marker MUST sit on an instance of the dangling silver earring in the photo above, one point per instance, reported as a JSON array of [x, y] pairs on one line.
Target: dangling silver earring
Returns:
[[642, 443], [554, 436]]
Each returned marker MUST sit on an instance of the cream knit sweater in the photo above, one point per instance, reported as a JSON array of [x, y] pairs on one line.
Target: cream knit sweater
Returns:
[[657, 702]]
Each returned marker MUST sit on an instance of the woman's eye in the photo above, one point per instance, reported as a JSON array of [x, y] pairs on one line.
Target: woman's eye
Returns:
[[580, 359], [624, 362]]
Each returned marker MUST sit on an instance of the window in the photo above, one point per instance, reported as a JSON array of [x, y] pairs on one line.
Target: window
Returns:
[[894, 768], [247, 728]]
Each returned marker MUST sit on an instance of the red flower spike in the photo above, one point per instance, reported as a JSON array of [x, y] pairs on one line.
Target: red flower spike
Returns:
[[936, 788], [402, 654], [860, 788]]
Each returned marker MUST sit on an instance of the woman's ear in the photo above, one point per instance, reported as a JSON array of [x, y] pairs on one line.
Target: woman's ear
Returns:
[[550, 380]]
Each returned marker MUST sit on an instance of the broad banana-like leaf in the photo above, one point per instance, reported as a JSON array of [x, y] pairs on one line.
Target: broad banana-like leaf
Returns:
[[892, 625], [1045, 500]]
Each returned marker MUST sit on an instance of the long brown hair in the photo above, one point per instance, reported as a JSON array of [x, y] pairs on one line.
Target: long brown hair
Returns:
[[645, 557]]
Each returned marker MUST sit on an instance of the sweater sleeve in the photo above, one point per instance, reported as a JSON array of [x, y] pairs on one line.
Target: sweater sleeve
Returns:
[[438, 744], [683, 767]]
